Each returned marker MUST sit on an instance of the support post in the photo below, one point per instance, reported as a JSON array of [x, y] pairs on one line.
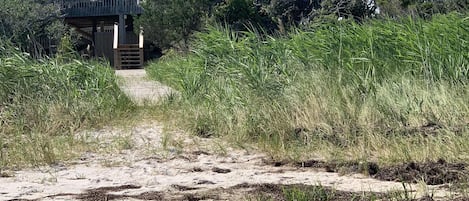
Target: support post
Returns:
[[93, 35], [115, 47], [101, 26], [140, 38], [116, 37], [122, 36], [140, 45]]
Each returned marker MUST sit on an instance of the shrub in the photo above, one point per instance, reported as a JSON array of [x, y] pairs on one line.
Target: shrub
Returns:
[[43, 103], [341, 85], [26, 22], [170, 23]]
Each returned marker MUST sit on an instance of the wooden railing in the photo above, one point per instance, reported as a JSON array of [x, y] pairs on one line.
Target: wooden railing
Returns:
[[88, 8]]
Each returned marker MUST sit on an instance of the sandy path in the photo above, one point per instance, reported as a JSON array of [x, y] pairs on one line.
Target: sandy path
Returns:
[[170, 163], [139, 88]]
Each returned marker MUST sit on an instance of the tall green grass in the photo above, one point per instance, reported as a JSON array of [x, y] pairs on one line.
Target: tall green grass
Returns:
[[386, 90], [44, 102]]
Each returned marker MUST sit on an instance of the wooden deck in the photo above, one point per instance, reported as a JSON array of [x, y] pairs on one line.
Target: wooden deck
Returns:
[[95, 8], [90, 18]]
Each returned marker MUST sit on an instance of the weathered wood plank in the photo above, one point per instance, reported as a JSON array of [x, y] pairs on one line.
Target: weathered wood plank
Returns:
[[128, 56]]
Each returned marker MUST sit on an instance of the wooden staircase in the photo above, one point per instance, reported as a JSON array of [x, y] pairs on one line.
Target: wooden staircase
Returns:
[[128, 56], [93, 18]]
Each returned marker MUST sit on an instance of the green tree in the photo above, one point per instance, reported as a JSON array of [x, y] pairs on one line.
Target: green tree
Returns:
[[170, 23], [291, 12], [25, 22], [421, 8], [355, 9], [239, 14]]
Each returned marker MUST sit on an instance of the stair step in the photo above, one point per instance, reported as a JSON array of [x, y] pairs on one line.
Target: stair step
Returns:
[[128, 56], [128, 46]]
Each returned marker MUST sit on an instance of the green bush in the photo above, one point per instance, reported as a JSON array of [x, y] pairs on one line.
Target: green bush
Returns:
[[26, 22], [170, 23], [336, 85], [316, 193], [43, 103], [421, 8]]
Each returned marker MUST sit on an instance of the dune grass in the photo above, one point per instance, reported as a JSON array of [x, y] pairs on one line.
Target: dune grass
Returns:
[[386, 90], [43, 103]]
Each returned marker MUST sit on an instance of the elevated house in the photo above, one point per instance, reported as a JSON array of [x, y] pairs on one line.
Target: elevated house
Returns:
[[107, 27]]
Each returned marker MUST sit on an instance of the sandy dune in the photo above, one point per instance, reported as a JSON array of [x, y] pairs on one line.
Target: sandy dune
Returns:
[[159, 165]]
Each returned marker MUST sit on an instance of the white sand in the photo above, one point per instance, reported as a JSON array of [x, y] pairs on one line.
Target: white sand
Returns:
[[156, 161], [139, 88]]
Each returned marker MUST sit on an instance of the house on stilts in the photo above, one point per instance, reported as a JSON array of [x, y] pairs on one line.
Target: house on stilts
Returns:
[[107, 26]]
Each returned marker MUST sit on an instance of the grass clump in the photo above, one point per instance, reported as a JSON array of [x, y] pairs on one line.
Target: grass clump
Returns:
[[385, 90], [297, 192], [43, 102], [313, 193]]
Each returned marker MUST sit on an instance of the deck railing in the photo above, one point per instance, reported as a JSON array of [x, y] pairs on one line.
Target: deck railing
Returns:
[[88, 8]]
